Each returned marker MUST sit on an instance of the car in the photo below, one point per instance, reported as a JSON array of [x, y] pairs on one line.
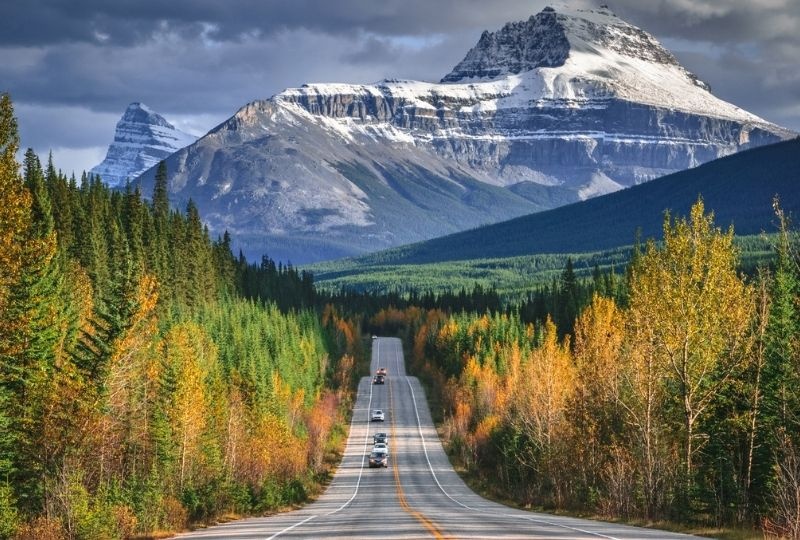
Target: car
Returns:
[[380, 438], [378, 416], [379, 379], [380, 446], [374, 337], [381, 371], [378, 458]]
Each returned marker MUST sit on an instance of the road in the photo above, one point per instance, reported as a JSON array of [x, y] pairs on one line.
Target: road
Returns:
[[419, 495]]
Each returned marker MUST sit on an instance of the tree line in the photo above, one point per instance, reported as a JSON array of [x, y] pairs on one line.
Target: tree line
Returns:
[[675, 394], [148, 377]]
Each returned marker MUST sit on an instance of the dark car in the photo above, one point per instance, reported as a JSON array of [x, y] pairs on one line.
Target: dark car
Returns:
[[380, 438], [378, 458], [379, 379]]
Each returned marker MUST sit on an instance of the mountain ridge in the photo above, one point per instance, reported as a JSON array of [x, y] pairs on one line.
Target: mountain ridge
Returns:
[[332, 163]]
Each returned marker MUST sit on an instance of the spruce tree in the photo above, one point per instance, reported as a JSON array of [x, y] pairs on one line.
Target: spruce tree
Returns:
[[568, 299], [782, 370], [162, 239]]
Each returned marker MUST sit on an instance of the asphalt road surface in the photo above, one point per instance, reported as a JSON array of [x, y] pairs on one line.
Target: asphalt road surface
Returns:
[[419, 495]]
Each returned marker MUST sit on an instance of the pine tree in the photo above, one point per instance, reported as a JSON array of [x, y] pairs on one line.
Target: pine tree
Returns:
[[568, 299], [38, 334], [161, 193], [780, 425], [15, 203], [62, 206]]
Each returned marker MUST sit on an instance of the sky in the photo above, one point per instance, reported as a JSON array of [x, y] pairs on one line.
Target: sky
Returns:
[[72, 68]]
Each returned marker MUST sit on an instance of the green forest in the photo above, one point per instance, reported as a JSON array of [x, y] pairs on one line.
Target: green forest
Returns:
[[148, 378], [152, 380]]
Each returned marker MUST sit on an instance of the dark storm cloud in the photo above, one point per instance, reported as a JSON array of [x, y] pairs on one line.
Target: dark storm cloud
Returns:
[[42, 22]]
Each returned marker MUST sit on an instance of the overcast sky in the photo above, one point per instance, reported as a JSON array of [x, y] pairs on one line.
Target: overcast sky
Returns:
[[72, 67]]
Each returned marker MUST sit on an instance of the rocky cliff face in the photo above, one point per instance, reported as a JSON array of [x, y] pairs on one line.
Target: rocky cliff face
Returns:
[[142, 139], [558, 108]]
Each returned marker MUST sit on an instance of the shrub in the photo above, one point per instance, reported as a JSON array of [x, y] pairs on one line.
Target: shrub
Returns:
[[41, 528]]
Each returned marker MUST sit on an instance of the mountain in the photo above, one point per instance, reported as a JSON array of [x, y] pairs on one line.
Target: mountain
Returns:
[[142, 139], [738, 188], [559, 108]]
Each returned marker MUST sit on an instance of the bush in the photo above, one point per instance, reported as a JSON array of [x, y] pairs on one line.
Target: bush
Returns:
[[9, 517], [41, 528], [270, 497], [176, 517], [125, 521]]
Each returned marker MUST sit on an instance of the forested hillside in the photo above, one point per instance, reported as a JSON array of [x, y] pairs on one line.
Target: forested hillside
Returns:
[[148, 378], [674, 397], [738, 188]]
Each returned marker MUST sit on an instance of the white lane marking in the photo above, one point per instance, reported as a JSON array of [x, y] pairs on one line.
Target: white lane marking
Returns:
[[360, 471], [287, 529], [435, 479], [366, 444]]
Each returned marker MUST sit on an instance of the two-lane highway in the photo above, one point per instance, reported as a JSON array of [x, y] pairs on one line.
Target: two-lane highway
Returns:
[[419, 495]]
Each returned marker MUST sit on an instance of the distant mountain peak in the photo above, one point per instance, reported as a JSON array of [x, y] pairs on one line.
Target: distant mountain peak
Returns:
[[140, 113], [548, 38], [142, 138]]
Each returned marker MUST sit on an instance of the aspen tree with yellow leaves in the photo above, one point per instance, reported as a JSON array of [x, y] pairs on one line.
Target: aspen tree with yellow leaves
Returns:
[[693, 309]]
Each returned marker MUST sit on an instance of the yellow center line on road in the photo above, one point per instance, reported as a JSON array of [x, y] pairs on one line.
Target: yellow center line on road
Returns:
[[422, 518]]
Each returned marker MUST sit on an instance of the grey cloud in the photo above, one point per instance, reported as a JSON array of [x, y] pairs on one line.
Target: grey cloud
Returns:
[[128, 23], [63, 127], [717, 21], [185, 76], [749, 84]]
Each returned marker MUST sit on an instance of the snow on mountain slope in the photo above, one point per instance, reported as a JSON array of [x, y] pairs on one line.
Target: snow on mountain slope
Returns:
[[564, 106], [142, 139]]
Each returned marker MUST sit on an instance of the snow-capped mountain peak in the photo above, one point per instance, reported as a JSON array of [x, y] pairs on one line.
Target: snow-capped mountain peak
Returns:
[[588, 55], [142, 138], [563, 106], [548, 38]]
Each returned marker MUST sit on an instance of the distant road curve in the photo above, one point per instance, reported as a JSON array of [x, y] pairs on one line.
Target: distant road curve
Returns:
[[419, 495]]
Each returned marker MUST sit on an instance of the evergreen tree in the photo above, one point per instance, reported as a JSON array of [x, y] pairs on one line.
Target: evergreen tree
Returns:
[[162, 238], [568, 299], [161, 193], [14, 205], [37, 340], [781, 402], [62, 207]]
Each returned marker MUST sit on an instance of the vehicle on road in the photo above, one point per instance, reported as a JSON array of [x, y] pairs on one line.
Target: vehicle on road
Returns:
[[381, 371], [378, 458], [380, 438], [380, 446], [374, 337], [378, 416], [379, 379]]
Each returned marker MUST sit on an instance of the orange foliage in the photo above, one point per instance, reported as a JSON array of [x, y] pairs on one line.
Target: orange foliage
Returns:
[[319, 422], [544, 389]]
